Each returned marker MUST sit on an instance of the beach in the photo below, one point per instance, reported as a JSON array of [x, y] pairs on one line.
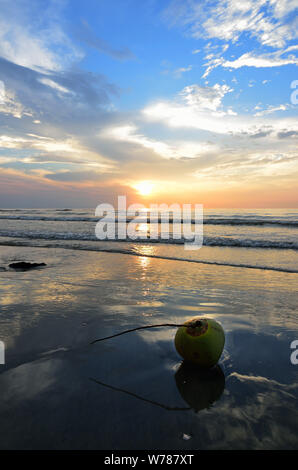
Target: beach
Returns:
[[148, 228], [134, 391]]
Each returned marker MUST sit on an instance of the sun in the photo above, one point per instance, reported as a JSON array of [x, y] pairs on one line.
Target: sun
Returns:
[[144, 188]]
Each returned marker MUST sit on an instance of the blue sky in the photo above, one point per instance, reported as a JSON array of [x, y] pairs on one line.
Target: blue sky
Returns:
[[192, 96]]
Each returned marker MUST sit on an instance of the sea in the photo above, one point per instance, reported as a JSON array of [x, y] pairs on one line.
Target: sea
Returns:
[[263, 238]]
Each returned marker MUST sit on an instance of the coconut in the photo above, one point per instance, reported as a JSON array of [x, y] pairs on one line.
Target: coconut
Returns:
[[201, 341]]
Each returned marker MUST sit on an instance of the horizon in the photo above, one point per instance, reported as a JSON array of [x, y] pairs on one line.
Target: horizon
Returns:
[[63, 208]]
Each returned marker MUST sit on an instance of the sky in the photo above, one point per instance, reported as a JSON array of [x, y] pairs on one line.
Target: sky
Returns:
[[173, 101]]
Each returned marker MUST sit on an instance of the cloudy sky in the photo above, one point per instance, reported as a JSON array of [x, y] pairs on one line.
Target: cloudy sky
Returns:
[[182, 101]]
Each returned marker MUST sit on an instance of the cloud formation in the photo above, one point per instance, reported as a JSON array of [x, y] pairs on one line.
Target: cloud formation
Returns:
[[272, 23], [28, 41], [269, 21], [67, 126]]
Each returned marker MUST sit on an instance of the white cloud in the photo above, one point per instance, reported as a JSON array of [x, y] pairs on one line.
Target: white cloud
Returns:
[[267, 20], [250, 59], [4, 160], [265, 60], [249, 166], [205, 97], [199, 108], [47, 144], [180, 115], [22, 48], [9, 104], [282, 8], [25, 43], [272, 22], [177, 149], [54, 85], [178, 72], [271, 109], [128, 133], [2, 92]]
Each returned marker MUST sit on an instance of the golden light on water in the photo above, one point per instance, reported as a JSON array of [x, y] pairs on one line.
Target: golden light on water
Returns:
[[143, 227]]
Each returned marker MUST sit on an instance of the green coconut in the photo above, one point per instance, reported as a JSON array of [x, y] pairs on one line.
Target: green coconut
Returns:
[[200, 341]]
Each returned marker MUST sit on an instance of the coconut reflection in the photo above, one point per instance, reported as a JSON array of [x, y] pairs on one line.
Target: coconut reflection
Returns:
[[199, 388]]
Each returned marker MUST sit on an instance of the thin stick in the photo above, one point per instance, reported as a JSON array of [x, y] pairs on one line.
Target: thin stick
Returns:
[[135, 329], [175, 325]]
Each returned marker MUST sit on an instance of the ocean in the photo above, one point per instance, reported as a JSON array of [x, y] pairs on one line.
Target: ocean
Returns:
[[270, 236], [135, 392]]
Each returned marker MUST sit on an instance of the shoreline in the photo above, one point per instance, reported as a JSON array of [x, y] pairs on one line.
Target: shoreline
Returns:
[[155, 256]]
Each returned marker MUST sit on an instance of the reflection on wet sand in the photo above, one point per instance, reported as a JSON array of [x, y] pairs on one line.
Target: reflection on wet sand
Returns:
[[48, 320], [199, 388], [139, 397]]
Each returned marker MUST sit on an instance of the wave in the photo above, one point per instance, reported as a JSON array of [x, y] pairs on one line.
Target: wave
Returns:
[[207, 221], [50, 218], [207, 241], [11, 210], [253, 222], [143, 255]]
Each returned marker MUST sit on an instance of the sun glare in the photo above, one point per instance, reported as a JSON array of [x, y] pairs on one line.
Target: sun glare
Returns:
[[144, 188]]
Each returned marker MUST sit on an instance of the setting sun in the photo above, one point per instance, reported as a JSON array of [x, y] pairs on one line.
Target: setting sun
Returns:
[[144, 188]]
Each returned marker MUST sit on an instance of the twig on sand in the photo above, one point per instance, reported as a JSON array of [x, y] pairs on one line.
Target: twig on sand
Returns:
[[195, 324]]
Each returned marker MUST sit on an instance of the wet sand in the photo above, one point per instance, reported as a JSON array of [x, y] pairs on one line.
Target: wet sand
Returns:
[[134, 391]]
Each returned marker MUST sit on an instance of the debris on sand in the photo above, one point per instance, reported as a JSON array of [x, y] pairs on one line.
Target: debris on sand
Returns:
[[25, 266]]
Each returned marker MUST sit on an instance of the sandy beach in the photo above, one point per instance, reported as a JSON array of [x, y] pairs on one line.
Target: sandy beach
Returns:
[[148, 229], [134, 392]]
